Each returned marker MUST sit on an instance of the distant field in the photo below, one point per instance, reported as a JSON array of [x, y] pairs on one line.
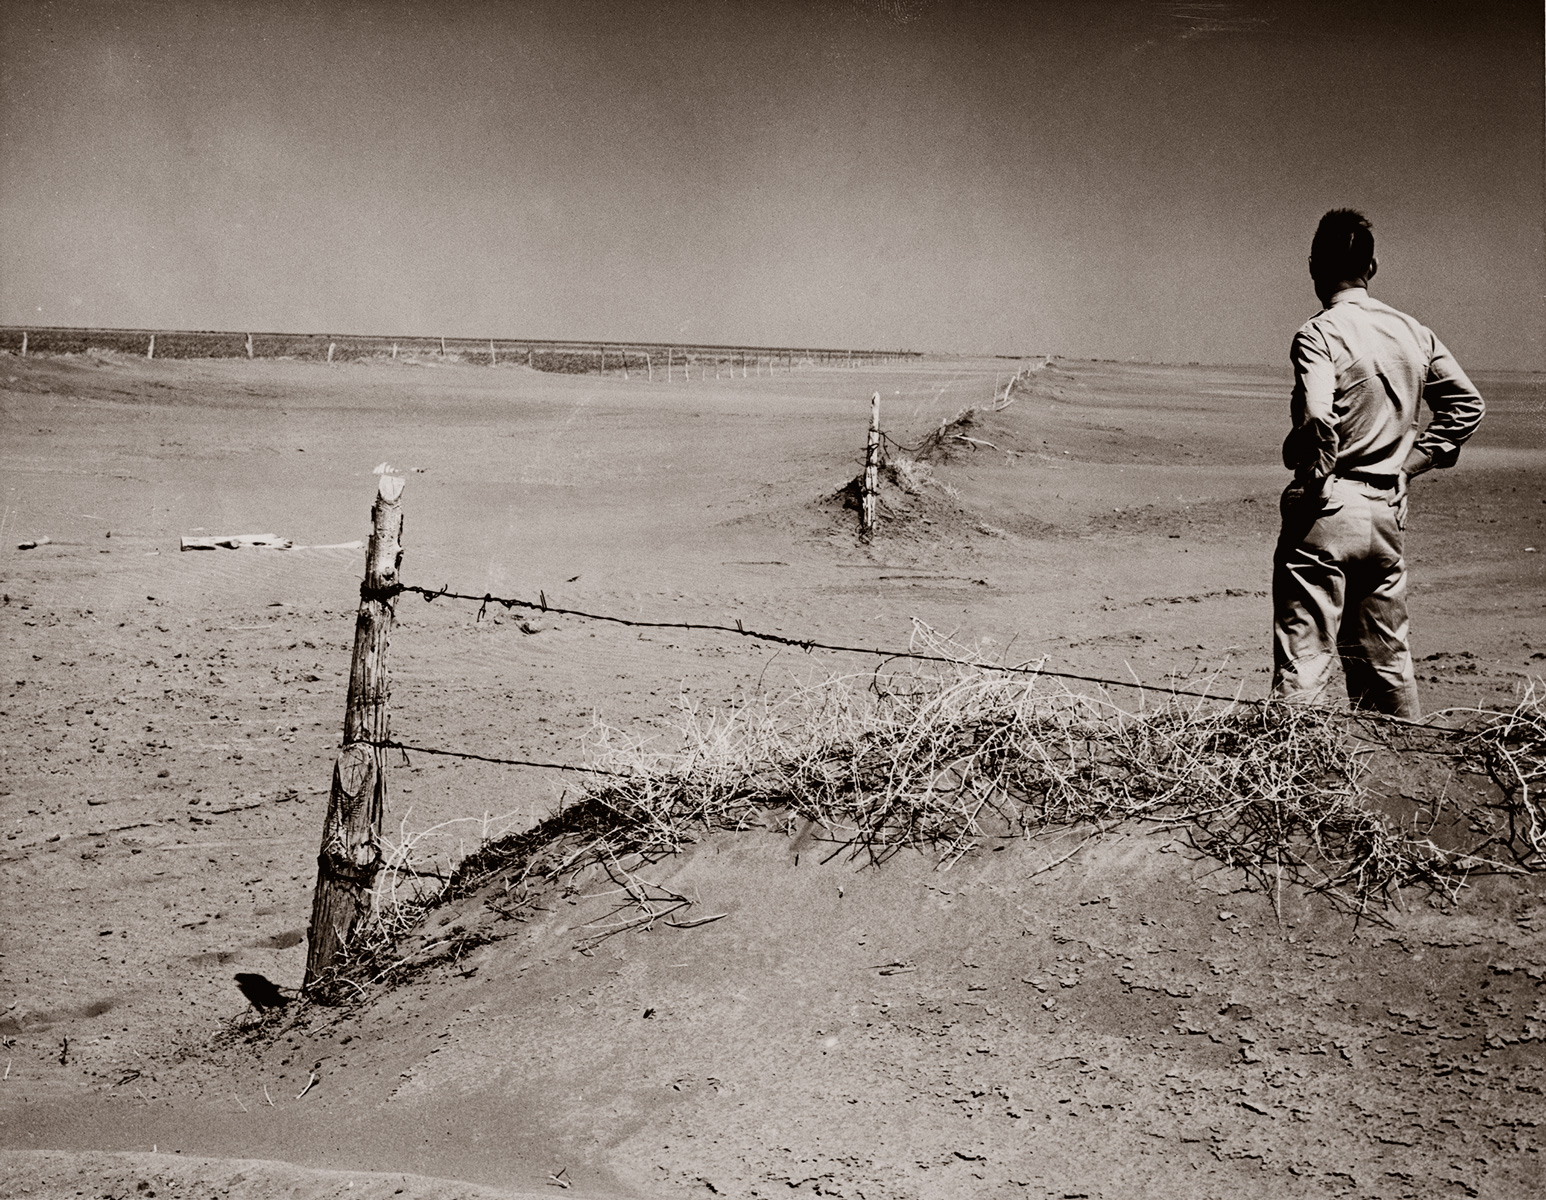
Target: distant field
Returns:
[[564, 357]]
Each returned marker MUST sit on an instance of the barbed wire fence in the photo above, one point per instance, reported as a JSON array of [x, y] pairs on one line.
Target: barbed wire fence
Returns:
[[669, 361], [350, 854]]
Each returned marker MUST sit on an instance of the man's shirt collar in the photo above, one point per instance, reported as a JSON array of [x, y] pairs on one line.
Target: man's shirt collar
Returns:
[[1352, 293]]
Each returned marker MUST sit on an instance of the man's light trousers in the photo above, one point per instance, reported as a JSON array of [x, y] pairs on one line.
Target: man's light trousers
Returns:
[[1339, 589]]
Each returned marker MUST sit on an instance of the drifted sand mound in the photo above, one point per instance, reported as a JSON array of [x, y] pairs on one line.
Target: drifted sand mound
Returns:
[[918, 497], [1132, 1020]]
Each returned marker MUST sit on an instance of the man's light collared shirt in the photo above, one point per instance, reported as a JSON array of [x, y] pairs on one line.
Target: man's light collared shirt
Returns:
[[1360, 370]]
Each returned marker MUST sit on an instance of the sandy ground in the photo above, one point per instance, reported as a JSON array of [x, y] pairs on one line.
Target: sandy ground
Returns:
[[1101, 1029]]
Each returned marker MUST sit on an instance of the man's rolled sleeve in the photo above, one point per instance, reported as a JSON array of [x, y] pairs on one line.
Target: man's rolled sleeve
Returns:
[[1456, 405], [1310, 450]]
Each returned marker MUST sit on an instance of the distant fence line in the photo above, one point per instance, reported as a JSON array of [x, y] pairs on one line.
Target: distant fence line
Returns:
[[566, 357]]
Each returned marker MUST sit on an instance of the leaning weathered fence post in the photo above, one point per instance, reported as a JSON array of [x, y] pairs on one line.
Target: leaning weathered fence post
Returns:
[[649, 367], [24, 343], [249, 345], [493, 360], [871, 472], [150, 351], [351, 831], [331, 346]]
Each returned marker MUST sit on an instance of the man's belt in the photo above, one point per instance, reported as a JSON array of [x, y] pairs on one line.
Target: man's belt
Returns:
[[1369, 477]]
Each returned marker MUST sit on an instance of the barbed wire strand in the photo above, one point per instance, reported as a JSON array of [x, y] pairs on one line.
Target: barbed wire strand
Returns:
[[808, 644], [409, 747]]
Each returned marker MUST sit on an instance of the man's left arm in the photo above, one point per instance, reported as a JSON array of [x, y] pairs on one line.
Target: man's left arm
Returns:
[[1457, 410]]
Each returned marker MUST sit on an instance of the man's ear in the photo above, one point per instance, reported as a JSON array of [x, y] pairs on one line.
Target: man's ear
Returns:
[[1374, 266]]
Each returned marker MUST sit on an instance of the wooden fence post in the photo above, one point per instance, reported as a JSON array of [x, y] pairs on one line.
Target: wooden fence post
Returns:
[[442, 347], [529, 358], [394, 351], [603, 362], [249, 345], [351, 832], [669, 356], [331, 346], [871, 473], [150, 351], [649, 367], [24, 343], [624, 353]]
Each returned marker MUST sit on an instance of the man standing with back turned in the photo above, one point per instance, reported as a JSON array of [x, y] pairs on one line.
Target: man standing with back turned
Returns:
[[1339, 578]]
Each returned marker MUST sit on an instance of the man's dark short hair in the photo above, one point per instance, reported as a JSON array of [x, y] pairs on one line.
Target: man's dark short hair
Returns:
[[1343, 247]]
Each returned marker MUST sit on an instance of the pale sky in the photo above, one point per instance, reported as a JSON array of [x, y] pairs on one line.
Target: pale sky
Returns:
[[1093, 178]]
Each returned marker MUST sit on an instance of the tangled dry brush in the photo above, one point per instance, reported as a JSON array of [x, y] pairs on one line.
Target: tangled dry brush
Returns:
[[942, 759]]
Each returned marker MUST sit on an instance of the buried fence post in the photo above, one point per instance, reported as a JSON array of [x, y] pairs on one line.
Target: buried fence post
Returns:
[[351, 831], [871, 472]]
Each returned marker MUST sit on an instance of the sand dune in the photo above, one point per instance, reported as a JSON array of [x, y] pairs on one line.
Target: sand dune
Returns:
[[1099, 1029]]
